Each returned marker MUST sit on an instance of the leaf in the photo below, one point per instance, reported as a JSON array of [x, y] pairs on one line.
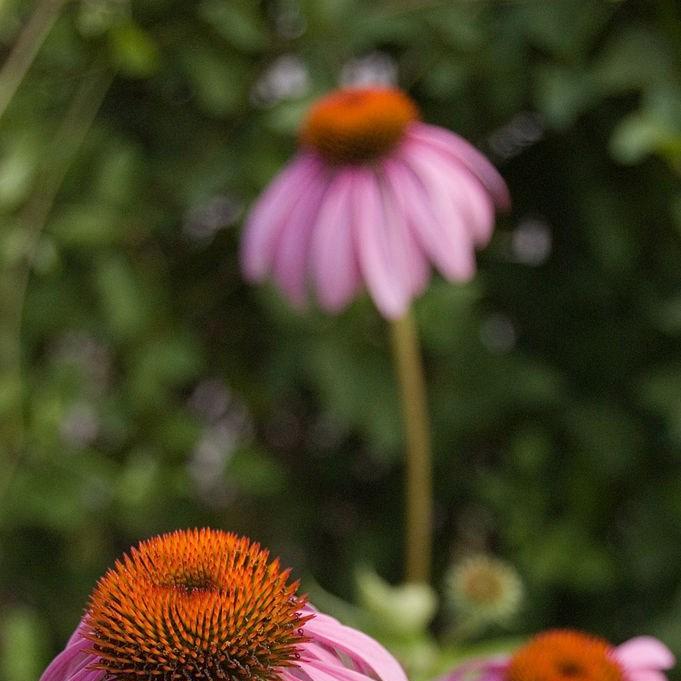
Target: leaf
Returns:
[[121, 296], [562, 94], [633, 59], [568, 29], [236, 22], [87, 225], [22, 642], [219, 80], [18, 163], [256, 472], [406, 609], [134, 51]]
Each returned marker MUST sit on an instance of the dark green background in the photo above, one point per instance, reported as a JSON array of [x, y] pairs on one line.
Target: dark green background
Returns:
[[157, 390]]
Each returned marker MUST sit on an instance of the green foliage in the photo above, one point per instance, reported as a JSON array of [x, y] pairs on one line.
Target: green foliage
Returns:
[[144, 386]]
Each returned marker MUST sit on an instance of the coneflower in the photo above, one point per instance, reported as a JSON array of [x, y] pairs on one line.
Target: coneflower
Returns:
[[203, 605], [374, 198], [567, 655], [483, 590]]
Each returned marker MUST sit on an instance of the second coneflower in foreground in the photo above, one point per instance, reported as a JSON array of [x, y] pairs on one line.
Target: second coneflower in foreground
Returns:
[[567, 655], [205, 605], [373, 197]]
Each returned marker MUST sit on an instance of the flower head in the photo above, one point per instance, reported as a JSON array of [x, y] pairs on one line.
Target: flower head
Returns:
[[204, 605], [567, 655], [373, 197], [484, 589], [564, 655]]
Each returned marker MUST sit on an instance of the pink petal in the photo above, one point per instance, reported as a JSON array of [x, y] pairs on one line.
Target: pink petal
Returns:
[[415, 262], [88, 675], [644, 652], [324, 672], [72, 658], [645, 675], [480, 670], [292, 248], [467, 195], [357, 645], [467, 154], [316, 651], [292, 674], [438, 227], [334, 262], [381, 255], [78, 634], [270, 213]]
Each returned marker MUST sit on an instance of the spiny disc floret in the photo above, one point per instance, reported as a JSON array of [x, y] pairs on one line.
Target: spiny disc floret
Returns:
[[195, 605]]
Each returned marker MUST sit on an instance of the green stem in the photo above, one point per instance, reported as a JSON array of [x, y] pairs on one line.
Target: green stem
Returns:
[[26, 48], [419, 478]]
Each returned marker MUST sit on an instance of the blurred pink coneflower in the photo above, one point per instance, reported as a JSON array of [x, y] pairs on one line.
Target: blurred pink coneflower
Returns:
[[373, 197]]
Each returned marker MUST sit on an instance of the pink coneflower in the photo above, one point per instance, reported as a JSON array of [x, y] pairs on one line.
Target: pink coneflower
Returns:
[[565, 655], [205, 605], [373, 197]]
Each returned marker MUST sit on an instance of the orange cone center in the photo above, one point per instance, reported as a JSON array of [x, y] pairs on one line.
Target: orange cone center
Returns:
[[358, 125], [198, 604], [564, 655]]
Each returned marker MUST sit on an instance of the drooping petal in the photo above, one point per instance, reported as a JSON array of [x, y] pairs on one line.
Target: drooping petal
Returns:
[[70, 660], [271, 212], [381, 255], [292, 248], [439, 228], [466, 192], [356, 645], [644, 653], [334, 261], [416, 265], [467, 154]]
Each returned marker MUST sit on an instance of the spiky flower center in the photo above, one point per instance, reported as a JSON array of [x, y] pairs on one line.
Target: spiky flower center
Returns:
[[563, 655], [358, 125], [195, 605]]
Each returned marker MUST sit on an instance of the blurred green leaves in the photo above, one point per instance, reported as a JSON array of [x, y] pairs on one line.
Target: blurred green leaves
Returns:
[[23, 644], [134, 51], [238, 23], [155, 389]]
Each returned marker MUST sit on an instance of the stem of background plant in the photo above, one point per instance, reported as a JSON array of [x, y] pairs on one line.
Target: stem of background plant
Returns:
[[419, 476], [26, 48]]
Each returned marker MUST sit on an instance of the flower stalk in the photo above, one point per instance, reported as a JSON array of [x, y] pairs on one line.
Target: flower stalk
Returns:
[[26, 48], [416, 424]]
